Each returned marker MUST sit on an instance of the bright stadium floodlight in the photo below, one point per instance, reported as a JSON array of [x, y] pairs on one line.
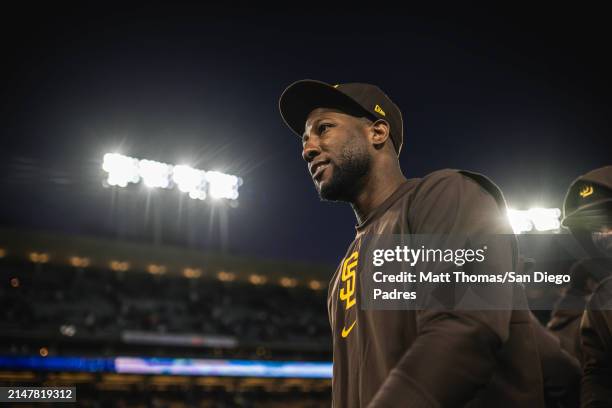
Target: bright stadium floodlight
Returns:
[[221, 185], [519, 221], [190, 180], [542, 219], [545, 219], [121, 169], [155, 174], [199, 184]]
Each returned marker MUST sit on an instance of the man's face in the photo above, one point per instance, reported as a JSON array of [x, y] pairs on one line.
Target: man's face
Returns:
[[336, 148]]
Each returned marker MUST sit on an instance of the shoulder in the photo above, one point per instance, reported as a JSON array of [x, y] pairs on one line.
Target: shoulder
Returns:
[[455, 184], [602, 296], [452, 200]]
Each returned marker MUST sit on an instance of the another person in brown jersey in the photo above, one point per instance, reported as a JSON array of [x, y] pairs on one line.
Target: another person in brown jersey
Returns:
[[588, 215]]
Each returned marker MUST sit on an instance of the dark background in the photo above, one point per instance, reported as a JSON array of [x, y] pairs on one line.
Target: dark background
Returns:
[[520, 94]]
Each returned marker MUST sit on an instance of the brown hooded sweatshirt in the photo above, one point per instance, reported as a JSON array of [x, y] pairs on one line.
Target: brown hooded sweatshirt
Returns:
[[432, 358]]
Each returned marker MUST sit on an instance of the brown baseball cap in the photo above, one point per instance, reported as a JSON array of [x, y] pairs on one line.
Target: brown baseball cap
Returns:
[[588, 202], [356, 99]]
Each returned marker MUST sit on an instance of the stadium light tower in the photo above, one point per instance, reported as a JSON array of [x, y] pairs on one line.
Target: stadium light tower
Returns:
[[199, 184], [223, 185], [540, 219], [155, 174], [545, 219], [190, 180], [121, 169]]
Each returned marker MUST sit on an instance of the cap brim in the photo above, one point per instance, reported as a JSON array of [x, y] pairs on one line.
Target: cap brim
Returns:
[[591, 212], [302, 97]]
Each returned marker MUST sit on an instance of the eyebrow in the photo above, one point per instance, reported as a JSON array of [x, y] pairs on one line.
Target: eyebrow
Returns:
[[316, 122]]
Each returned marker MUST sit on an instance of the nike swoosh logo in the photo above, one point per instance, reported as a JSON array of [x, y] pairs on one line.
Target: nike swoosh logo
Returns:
[[345, 331]]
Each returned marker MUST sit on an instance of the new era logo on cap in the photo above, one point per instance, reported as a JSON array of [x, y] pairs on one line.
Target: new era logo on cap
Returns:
[[378, 109]]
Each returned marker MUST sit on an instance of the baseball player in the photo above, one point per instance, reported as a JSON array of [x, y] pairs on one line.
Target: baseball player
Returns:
[[352, 135], [588, 215]]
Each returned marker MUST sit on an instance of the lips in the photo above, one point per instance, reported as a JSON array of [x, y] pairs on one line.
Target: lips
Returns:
[[318, 169]]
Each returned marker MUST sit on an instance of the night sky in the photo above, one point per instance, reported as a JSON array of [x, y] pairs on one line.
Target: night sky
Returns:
[[522, 96]]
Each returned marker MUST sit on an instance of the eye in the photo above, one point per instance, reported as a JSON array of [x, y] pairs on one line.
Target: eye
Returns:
[[324, 126]]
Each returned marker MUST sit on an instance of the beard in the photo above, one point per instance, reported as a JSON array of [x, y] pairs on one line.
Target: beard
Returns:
[[349, 174]]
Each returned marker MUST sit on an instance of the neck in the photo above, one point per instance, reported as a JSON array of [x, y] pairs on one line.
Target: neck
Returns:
[[382, 181]]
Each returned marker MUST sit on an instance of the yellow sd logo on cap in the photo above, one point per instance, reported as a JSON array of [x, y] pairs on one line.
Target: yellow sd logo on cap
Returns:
[[378, 109], [586, 191]]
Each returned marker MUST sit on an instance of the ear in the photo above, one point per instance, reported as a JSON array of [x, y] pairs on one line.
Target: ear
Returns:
[[380, 133]]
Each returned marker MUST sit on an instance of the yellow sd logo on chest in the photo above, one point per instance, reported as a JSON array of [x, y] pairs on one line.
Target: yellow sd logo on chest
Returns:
[[347, 292]]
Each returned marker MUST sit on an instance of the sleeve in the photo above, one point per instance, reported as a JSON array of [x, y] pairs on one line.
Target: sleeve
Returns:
[[561, 371], [596, 339], [454, 354]]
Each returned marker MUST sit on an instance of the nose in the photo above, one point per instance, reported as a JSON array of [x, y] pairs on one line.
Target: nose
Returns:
[[311, 150]]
